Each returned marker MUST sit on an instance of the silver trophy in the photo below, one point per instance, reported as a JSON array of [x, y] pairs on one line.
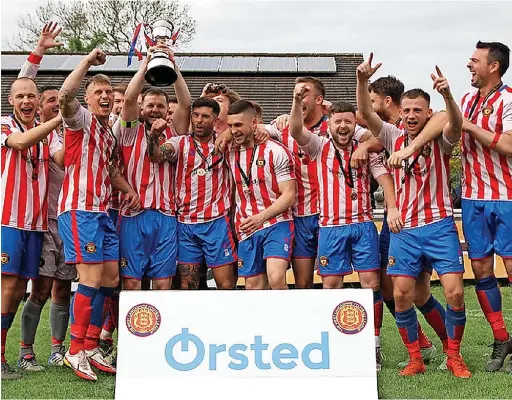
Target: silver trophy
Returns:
[[161, 70]]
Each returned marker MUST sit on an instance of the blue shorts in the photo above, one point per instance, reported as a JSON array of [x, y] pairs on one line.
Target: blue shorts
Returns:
[[211, 241], [384, 242], [341, 247], [113, 215], [437, 243], [384, 239], [276, 241], [487, 227], [148, 245], [89, 237], [21, 252], [306, 237]]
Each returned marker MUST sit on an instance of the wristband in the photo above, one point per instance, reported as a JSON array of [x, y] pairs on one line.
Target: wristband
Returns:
[[495, 141], [34, 58]]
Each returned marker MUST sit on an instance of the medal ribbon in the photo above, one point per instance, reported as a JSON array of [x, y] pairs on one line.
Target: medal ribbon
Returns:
[[199, 151], [348, 179], [246, 178], [472, 117]]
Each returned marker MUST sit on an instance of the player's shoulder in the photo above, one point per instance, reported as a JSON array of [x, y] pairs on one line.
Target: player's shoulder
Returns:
[[468, 94], [506, 94], [276, 147]]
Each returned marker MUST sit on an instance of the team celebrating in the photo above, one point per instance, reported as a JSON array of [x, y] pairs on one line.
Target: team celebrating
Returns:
[[135, 186]]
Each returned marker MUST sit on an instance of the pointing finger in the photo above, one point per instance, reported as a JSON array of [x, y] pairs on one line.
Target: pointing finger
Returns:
[[377, 67], [370, 59], [439, 72]]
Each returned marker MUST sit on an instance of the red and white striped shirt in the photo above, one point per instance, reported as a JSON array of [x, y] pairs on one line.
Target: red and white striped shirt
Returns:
[[487, 174], [306, 199], [203, 184], [271, 164], [153, 182], [90, 149], [344, 192], [116, 197], [423, 194], [25, 179]]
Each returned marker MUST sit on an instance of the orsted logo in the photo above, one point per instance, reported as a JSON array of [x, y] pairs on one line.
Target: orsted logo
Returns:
[[282, 356]]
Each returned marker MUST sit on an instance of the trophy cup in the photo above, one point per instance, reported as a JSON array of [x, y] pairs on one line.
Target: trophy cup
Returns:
[[160, 71]]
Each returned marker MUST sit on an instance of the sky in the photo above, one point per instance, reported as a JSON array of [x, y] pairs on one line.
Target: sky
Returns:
[[408, 37]]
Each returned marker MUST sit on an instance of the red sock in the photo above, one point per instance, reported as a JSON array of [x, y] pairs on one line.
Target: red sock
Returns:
[[56, 341], [436, 321], [4, 338], [80, 315], [423, 340], [412, 347], [495, 318], [114, 310], [378, 311], [92, 337]]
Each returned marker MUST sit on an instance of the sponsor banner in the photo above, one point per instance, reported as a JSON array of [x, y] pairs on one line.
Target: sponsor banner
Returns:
[[225, 344]]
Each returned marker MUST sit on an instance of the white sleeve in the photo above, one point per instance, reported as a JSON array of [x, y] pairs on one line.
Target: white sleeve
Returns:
[[275, 133], [359, 132], [54, 143], [387, 135], [314, 147], [30, 67], [377, 167], [507, 116], [127, 131], [78, 121]]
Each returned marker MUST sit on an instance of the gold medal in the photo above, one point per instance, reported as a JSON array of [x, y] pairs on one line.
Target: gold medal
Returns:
[[201, 172], [488, 111]]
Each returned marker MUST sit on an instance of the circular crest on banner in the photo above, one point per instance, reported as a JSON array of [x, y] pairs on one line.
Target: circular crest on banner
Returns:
[[143, 320], [349, 317]]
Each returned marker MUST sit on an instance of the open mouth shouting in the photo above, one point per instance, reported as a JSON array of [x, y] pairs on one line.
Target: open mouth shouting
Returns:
[[105, 106], [27, 112]]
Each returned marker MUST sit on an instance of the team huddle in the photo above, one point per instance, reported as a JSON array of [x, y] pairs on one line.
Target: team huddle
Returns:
[[135, 185]]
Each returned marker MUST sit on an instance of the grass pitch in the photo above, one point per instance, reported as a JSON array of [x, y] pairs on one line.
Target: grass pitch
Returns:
[[61, 383]]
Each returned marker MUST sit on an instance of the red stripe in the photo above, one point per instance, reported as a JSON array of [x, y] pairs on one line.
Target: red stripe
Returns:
[[252, 197], [103, 148], [188, 177], [11, 173], [36, 201], [427, 195], [76, 240], [493, 180], [22, 195], [504, 161], [179, 178], [325, 184], [142, 159], [201, 181], [260, 171], [347, 213], [230, 237], [240, 200]]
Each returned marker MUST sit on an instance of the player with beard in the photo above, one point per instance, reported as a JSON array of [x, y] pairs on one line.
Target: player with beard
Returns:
[[148, 236], [428, 230], [90, 240], [264, 193], [487, 183], [347, 235], [203, 198], [385, 94], [55, 276]]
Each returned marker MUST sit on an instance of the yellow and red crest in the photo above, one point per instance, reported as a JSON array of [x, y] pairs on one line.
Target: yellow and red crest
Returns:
[[349, 317], [143, 320]]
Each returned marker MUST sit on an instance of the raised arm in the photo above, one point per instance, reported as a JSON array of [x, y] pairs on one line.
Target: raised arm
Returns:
[[131, 109], [364, 105], [45, 42], [181, 120], [296, 122], [68, 103], [157, 153], [452, 130]]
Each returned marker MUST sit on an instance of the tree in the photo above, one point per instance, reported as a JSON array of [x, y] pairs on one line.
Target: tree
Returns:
[[108, 24]]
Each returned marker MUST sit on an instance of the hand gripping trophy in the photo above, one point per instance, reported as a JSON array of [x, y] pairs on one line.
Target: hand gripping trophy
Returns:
[[161, 70]]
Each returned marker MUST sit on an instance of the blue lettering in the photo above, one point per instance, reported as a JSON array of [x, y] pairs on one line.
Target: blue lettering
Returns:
[[284, 355], [258, 346], [323, 346], [184, 338], [278, 354], [236, 354], [214, 350]]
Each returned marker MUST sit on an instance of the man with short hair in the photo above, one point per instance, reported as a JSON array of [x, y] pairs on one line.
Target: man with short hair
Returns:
[[264, 194], [55, 276], [89, 237], [148, 236], [203, 198], [428, 230], [347, 238], [27, 147], [486, 153]]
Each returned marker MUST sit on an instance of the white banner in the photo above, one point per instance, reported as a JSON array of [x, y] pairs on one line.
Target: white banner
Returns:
[[246, 344]]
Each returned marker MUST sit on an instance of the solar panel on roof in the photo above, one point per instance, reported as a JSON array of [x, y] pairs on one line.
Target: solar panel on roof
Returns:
[[52, 63], [203, 64], [317, 64], [120, 63], [239, 64], [13, 62], [278, 64]]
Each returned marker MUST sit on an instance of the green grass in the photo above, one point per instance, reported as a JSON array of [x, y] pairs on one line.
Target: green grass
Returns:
[[61, 383]]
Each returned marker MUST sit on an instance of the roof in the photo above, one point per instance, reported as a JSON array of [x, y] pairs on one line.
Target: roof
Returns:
[[265, 78]]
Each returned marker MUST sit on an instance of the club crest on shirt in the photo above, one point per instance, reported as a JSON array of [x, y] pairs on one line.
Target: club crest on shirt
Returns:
[[240, 263], [5, 258], [90, 247], [391, 261], [426, 151], [260, 162], [488, 111], [123, 262], [324, 261]]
